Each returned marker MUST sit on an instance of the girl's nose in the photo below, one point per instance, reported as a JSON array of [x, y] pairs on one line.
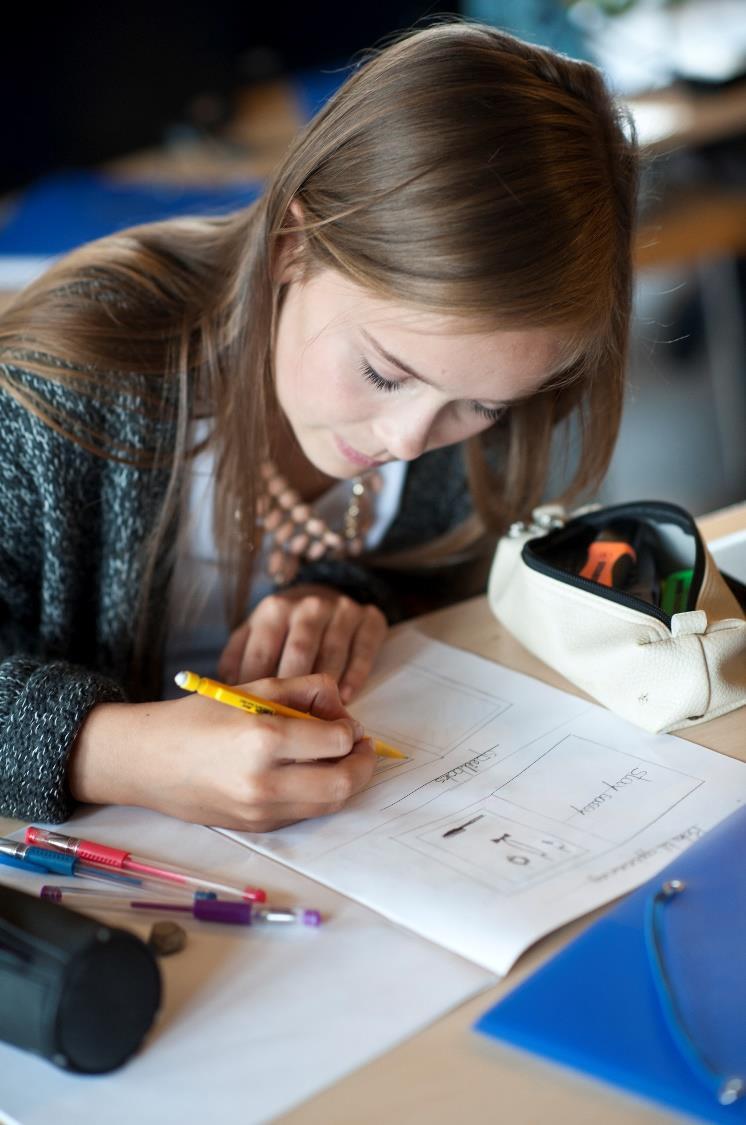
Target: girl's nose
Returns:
[[405, 436]]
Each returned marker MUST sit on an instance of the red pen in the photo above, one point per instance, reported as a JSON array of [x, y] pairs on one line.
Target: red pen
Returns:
[[104, 856]]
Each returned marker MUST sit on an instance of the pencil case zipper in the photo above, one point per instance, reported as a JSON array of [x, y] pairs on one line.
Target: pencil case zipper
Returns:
[[651, 509]]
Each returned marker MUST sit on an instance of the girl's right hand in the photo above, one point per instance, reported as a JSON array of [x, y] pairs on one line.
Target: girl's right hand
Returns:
[[201, 761]]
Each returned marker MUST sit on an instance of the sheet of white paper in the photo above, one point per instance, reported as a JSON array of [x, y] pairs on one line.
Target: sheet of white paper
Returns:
[[521, 808], [254, 1021], [729, 553]]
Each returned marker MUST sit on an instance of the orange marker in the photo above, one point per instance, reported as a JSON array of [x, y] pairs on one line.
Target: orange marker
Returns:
[[609, 560]]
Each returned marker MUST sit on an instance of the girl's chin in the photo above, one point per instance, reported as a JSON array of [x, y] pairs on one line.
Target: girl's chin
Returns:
[[326, 460]]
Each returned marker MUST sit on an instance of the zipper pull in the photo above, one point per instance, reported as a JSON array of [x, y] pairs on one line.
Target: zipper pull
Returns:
[[693, 621], [548, 517], [544, 519]]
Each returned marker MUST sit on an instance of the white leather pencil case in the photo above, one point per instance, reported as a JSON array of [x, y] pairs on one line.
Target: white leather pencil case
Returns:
[[627, 603]]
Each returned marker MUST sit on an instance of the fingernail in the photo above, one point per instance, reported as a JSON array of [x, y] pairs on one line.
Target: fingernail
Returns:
[[359, 730]]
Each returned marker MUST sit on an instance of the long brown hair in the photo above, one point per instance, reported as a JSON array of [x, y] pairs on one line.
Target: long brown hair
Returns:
[[458, 170]]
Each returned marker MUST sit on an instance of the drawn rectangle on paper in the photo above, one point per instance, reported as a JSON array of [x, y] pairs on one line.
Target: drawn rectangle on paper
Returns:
[[492, 848], [432, 713], [592, 787]]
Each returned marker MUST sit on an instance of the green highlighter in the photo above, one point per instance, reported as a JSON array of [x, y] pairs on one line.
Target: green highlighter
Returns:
[[675, 592]]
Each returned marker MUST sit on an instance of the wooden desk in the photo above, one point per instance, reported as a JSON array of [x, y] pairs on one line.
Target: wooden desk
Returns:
[[448, 1073], [698, 223]]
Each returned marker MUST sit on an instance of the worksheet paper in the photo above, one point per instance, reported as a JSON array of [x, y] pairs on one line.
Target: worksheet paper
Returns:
[[520, 808], [254, 1020]]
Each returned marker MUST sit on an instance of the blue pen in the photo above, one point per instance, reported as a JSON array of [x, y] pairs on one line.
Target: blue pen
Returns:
[[22, 864], [42, 861]]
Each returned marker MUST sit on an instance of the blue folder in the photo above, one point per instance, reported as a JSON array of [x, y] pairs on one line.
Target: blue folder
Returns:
[[652, 997]]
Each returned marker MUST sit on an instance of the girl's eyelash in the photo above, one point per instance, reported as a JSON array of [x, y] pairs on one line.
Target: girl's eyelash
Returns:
[[492, 413], [377, 380]]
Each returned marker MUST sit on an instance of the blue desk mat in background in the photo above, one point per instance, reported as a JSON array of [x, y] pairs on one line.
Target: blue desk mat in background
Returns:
[[66, 209]]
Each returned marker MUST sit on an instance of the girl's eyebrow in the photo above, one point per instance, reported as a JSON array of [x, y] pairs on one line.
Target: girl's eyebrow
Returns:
[[396, 362]]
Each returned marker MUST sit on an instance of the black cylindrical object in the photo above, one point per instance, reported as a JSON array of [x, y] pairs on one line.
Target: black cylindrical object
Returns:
[[72, 989]]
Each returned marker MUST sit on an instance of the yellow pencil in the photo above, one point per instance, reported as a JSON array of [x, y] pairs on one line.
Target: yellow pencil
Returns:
[[234, 697]]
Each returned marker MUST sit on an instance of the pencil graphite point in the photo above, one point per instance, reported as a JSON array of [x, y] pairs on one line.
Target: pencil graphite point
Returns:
[[385, 750]]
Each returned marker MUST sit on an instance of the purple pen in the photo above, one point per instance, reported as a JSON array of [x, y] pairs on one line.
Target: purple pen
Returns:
[[205, 909]]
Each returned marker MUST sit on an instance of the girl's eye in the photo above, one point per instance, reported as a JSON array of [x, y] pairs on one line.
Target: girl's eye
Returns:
[[377, 380], [493, 413]]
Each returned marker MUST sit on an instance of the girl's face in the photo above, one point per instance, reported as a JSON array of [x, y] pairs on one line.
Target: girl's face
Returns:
[[362, 380]]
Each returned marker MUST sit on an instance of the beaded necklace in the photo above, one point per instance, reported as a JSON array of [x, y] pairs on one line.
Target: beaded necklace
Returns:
[[298, 533]]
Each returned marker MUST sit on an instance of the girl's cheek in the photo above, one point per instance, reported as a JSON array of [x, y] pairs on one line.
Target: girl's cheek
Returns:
[[456, 430], [459, 429]]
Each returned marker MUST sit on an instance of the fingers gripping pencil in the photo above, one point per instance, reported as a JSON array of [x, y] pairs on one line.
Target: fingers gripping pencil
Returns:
[[256, 705]]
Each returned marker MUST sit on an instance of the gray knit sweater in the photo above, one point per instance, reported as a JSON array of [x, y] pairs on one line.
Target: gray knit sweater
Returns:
[[72, 525]]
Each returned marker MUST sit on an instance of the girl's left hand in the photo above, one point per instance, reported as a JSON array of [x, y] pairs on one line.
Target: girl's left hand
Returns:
[[306, 629]]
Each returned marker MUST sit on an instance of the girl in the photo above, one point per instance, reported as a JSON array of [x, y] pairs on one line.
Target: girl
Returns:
[[231, 433]]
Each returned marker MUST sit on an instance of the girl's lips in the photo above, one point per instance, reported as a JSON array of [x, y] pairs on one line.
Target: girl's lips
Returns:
[[354, 455]]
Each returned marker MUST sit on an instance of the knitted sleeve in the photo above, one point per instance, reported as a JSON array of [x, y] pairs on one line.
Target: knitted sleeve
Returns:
[[358, 582], [53, 669], [42, 707]]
